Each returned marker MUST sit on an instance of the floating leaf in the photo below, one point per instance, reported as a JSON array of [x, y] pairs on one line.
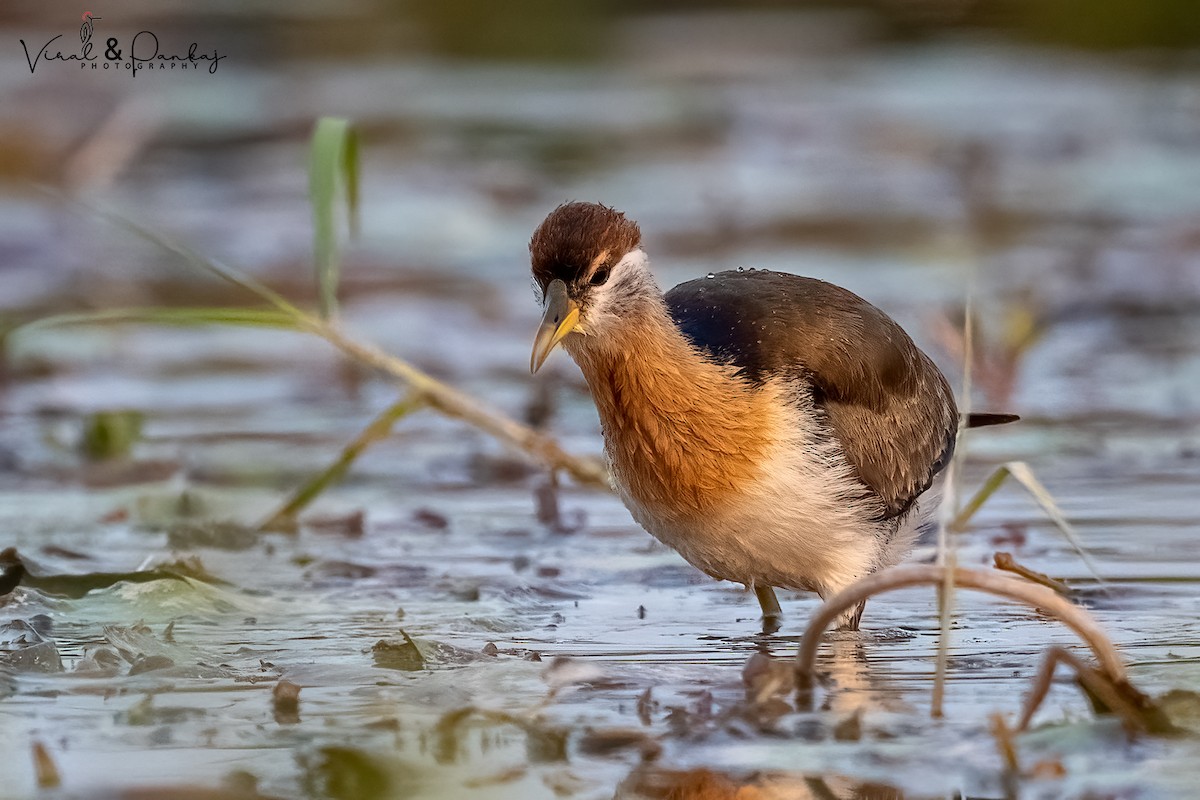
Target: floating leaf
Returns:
[[23, 648], [403, 655], [75, 586]]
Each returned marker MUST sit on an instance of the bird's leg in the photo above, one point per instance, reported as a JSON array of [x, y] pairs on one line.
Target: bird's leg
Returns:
[[772, 613]]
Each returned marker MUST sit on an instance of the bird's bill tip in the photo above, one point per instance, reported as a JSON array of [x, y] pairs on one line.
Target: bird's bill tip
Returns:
[[561, 317]]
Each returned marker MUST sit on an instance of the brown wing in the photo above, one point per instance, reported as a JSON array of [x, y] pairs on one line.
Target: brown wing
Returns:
[[885, 400]]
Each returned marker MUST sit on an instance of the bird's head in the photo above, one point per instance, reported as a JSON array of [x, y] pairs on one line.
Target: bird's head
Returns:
[[589, 270]]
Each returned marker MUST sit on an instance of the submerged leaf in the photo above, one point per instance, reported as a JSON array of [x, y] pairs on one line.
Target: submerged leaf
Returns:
[[652, 781], [220, 534], [544, 743], [343, 773], [144, 652], [76, 586], [150, 664], [145, 713], [285, 702], [605, 742], [111, 434], [1183, 708]]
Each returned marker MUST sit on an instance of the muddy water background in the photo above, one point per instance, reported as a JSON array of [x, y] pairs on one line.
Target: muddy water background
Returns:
[[1066, 182]]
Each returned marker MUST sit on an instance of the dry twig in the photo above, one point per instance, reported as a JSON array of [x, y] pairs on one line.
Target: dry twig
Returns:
[[44, 767], [1005, 561], [1005, 743]]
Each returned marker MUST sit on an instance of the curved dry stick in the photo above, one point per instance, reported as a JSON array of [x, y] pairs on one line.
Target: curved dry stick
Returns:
[[1071, 615]]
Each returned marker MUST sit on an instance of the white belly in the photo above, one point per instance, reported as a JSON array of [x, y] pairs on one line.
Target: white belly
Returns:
[[804, 523]]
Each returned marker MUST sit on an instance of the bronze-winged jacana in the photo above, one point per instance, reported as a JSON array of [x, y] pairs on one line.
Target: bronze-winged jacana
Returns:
[[775, 430]]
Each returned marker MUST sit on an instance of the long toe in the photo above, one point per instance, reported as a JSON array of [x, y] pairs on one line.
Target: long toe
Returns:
[[849, 620]]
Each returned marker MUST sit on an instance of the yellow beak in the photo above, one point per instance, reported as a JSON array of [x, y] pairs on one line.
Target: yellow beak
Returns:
[[561, 317]]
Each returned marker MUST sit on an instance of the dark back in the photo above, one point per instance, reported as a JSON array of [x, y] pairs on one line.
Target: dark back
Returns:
[[883, 399]]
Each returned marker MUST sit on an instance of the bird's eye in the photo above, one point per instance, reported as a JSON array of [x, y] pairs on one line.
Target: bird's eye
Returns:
[[600, 276]]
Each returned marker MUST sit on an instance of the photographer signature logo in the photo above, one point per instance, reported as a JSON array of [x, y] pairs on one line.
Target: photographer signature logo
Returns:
[[142, 52]]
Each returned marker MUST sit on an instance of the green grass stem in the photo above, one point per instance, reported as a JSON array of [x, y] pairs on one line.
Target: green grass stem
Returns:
[[284, 518]]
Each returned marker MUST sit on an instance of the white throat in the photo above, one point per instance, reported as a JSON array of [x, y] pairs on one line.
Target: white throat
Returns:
[[627, 293]]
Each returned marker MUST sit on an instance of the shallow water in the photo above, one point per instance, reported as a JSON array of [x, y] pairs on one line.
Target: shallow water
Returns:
[[845, 163]]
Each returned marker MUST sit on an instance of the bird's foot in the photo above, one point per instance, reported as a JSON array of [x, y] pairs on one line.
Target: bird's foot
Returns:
[[849, 620]]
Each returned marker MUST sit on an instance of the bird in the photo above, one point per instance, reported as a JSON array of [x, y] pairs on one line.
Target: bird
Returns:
[[775, 430]]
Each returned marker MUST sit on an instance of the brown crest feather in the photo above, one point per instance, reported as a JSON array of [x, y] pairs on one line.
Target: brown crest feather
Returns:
[[572, 241]]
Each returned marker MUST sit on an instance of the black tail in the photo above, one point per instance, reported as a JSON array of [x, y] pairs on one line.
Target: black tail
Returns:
[[983, 420]]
